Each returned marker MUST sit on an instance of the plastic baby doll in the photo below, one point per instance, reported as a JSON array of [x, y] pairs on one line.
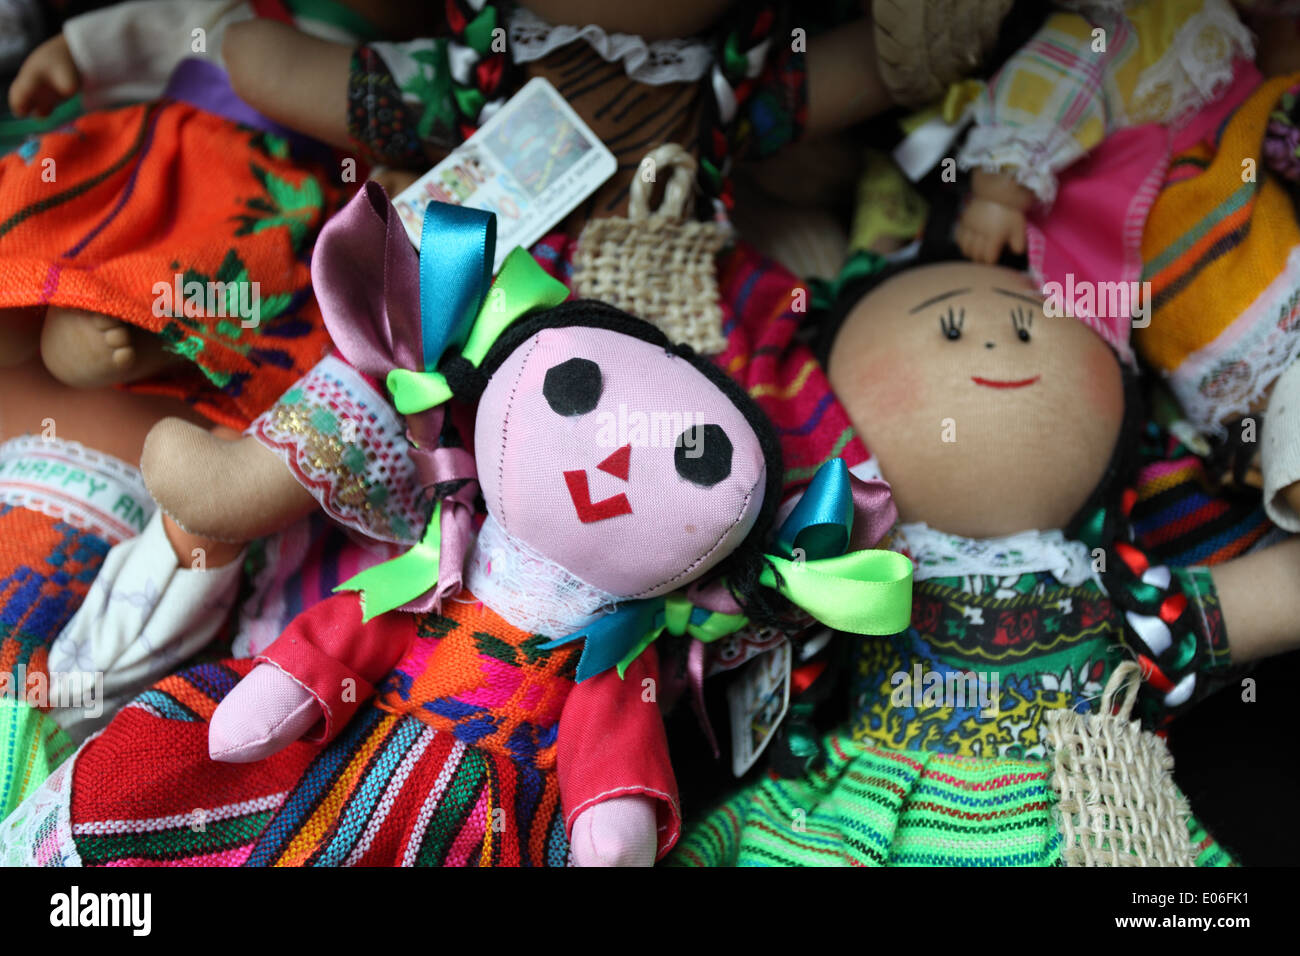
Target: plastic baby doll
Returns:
[[1004, 433], [1083, 114], [146, 242]]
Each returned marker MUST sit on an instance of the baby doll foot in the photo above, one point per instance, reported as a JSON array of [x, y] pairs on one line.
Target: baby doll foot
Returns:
[[618, 832], [230, 490], [20, 335], [89, 350], [266, 711]]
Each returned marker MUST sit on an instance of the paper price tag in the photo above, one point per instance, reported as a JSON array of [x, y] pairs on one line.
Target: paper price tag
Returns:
[[757, 701], [531, 164]]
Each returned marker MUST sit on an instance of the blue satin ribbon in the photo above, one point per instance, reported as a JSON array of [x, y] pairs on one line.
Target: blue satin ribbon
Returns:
[[457, 249], [822, 521]]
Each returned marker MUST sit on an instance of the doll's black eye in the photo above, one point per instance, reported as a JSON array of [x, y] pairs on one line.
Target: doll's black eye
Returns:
[[951, 322], [1022, 319], [573, 387], [703, 455]]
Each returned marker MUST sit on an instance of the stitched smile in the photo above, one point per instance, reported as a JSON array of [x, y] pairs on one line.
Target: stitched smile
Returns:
[[1000, 383]]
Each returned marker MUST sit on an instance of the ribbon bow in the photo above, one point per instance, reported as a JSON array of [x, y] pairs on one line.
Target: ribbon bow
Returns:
[[860, 591], [460, 308]]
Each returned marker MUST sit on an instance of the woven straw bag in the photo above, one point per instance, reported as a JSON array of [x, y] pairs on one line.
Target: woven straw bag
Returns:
[[1117, 801], [657, 265]]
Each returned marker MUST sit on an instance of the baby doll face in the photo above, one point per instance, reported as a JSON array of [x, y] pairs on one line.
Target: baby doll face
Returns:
[[620, 462], [988, 417]]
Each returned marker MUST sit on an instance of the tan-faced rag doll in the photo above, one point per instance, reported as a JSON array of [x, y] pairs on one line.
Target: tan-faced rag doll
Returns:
[[1004, 433]]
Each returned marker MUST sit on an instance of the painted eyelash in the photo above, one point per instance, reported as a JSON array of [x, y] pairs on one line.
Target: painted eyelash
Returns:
[[951, 323], [1022, 320]]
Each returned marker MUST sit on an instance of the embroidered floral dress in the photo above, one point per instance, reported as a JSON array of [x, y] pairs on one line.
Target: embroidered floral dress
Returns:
[[944, 760]]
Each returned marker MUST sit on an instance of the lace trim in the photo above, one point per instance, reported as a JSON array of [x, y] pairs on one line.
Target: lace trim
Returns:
[[39, 831], [529, 590], [657, 63], [937, 554], [347, 445], [1226, 378], [69, 482], [1195, 70], [1032, 154]]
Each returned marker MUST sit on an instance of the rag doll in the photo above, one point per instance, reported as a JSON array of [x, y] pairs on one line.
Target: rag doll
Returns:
[[165, 243], [647, 442], [1005, 433], [408, 103]]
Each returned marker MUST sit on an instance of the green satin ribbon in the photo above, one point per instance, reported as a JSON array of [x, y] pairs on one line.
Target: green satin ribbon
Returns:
[[862, 592], [403, 579], [520, 287]]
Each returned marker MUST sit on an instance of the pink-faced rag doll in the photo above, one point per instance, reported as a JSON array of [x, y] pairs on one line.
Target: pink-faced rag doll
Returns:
[[617, 470]]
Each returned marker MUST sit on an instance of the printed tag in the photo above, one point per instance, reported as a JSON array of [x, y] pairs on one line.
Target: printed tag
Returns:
[[531, 164], [758, 700]]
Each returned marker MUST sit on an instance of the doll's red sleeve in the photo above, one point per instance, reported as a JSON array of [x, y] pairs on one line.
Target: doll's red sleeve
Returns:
[[339, 659], [612, 743]]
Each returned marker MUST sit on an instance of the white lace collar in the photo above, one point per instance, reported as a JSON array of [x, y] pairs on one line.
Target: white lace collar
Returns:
[[529, 590], [938, 554], [656, 63]]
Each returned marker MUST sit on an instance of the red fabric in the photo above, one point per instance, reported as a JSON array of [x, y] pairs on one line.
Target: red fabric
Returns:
[[612, 743], [327, 646]]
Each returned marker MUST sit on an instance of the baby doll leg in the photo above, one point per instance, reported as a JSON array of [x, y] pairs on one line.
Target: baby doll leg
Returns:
[[20, 335], [228, 490], [1280, 451], [89, 350]]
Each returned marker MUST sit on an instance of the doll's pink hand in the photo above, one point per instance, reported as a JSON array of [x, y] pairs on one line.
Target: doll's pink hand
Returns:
[[617, 832], [47, 77], [263, 714]]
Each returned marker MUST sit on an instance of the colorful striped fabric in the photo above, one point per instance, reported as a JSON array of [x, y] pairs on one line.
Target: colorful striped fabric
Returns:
[[1179, 519], [1222, 254], [31, 747], [388, 791], [869, 806]]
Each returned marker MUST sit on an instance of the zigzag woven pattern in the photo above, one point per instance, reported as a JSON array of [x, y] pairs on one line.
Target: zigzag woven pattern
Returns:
[[870, 806]]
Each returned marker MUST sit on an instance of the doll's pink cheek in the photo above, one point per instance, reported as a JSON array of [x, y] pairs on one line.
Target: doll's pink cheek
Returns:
[[886, 383], [1101, 387]]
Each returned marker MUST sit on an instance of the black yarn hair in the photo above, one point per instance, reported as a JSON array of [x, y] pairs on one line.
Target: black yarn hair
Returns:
[[1124, 458], [743, 567]]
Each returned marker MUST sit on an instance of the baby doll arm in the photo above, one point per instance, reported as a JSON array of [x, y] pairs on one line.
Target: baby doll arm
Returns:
[[121, 54], [1042, 111], [151, 606], [616, 781], [292, 78]]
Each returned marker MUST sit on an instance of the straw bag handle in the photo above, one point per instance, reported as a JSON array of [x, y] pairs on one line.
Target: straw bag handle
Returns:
[[677, 191], [1128, 678]]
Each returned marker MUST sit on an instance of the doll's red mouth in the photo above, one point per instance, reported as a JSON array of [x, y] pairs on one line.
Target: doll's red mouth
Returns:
[[1004, 383], [588, 511]]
